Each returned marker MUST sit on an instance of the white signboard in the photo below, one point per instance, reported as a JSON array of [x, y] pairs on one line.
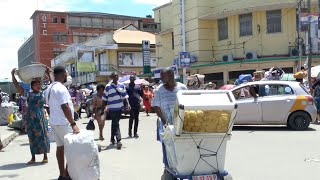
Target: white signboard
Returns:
[[134, 59]]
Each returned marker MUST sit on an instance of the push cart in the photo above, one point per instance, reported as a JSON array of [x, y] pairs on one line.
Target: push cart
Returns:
[[194, 146]]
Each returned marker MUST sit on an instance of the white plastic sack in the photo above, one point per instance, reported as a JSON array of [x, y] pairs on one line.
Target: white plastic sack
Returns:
[[51, 134], [168, 141], [82, 156]]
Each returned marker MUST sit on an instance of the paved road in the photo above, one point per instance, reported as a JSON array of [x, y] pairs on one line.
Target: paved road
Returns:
[[254, 153]]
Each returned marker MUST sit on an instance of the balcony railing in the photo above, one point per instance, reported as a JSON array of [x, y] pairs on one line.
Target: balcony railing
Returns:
[[108, 68]]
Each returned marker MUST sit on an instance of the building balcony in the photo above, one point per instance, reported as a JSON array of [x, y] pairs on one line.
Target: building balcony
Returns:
[[106, 69]]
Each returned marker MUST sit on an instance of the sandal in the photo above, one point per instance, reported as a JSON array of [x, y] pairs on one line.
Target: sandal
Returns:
[[31, 162], [45, 161], [101, 138]]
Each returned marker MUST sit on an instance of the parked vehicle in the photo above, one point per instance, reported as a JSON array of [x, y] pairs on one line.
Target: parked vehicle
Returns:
[[274, 103]]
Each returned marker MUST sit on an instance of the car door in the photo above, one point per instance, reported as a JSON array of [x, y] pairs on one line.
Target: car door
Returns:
[[276, 101], [249, 108]]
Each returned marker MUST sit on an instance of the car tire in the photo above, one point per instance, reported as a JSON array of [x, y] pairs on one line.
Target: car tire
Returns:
[[299, 121]]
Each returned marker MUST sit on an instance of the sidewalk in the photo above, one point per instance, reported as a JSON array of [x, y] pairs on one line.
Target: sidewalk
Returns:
[[7, 135]]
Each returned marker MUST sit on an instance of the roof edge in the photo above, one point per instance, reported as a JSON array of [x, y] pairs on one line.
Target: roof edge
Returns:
[[159, 7], [28, 40]]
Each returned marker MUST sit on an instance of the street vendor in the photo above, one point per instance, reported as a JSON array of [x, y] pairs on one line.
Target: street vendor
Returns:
[[165, 95]]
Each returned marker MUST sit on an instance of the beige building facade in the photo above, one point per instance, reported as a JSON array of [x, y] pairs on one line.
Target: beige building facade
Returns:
[[229, 38]]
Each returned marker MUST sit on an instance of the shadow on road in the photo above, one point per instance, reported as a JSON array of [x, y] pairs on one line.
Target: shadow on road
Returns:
[[18, 166], [9, 176], [267, 128]]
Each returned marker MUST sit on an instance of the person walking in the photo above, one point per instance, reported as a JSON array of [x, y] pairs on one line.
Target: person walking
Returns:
[[99, 110], [76, 95], [147, 98], [61, 115], [135, 93], [35, 119], [114, 95]]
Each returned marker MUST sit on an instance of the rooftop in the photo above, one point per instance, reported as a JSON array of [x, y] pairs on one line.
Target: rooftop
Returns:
[[88, 14]]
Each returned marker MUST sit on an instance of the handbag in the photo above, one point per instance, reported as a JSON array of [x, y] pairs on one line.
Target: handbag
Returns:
[[91, 126]]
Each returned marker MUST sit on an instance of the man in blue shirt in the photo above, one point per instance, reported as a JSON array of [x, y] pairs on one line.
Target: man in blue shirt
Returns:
[[135, 93], [114, 95]]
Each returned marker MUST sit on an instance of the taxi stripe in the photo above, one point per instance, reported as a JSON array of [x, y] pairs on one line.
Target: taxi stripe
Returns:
[[299, 104]]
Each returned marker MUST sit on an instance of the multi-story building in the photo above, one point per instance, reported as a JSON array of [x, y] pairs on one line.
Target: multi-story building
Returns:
[[54, 31], [229, 38], [119, 51]]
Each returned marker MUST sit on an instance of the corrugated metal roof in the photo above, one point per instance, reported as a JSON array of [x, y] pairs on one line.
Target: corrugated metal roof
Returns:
[[133, 37]]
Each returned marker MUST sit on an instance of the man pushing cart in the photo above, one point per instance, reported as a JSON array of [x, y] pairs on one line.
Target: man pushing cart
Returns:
[[193, 127]]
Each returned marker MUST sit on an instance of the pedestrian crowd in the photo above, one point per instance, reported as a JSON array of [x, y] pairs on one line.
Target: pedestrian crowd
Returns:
[[63, 104]]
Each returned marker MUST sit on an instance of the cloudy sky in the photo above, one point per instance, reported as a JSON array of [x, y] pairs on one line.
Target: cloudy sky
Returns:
[[16, 25]]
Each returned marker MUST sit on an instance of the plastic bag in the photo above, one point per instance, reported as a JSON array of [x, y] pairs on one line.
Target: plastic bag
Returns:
[[81, 153], [168, 141], [90, 125]]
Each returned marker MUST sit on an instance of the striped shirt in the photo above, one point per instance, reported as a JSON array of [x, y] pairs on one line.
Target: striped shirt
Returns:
[[165, 100], [113, 98]]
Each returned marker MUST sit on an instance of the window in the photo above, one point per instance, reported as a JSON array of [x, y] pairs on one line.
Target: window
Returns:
[[57, 51], [76, 39], [63, 20], [242, 93], [274, 21], [82, 39], [55, 20], [223, 28], [172, 40], [245, 21], [63, 38], [86, 22], [97, 22], [59, 37], [74, 21], [275, 89], [55, 37]]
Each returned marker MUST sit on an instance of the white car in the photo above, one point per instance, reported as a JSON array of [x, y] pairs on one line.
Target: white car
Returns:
[[274, 103]]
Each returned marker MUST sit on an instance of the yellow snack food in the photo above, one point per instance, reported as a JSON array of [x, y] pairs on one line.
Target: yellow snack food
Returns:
[[198, 124], [190, 124], [195, 129]]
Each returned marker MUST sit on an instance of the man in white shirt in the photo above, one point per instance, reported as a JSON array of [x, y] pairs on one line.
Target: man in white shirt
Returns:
[[61, 114]]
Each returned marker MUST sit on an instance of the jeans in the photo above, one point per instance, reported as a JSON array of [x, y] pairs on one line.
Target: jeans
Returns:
[[134, 116], [115, 127]]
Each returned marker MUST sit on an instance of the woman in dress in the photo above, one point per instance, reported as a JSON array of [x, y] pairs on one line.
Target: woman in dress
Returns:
[[35, 119], [98, 109], [147, 97]]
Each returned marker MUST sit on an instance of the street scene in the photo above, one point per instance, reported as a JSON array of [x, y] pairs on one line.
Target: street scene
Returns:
[[168, 89]]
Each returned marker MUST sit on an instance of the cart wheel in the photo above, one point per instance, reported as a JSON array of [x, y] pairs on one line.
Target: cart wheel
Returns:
[[167, 176], [224, 175], [227, 177]]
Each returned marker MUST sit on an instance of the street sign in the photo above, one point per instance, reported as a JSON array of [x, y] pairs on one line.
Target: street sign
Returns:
[[184, 59], [146, 57]]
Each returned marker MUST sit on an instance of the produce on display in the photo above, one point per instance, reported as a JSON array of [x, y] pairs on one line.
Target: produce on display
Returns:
[[209, 121]]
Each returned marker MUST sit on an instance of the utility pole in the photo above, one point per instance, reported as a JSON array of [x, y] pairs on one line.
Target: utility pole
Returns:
[[310, 43], [299, 34]]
